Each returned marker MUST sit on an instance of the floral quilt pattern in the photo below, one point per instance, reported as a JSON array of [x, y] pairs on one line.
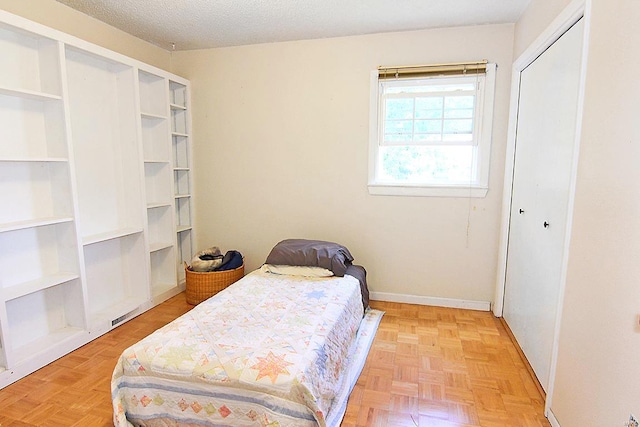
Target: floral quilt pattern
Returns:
[[270, 350]]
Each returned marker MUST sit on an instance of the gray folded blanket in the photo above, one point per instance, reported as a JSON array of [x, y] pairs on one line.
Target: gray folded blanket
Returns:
[[360, 273]]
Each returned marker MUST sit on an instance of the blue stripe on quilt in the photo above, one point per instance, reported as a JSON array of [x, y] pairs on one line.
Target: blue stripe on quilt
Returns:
[[219, 395], [176, 419]]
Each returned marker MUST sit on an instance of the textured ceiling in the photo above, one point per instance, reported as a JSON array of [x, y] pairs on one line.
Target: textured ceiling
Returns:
[[198, 24]]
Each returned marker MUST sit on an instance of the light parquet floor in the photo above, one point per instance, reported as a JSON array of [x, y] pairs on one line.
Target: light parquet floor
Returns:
[[443, 367], [428, 367]]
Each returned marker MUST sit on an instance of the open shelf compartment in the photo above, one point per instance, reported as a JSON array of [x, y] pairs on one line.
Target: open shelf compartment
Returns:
[[160, 227], [37, 258], [183, 211], [36, 190], [115, 272], [181, 182], [153, 94], [157, 183], [178, 95], [163, 270], [179, 122], [35, 64], [180, 145], [37, 123], [42, 319], [155, 139], [185, 252], [104, 128]]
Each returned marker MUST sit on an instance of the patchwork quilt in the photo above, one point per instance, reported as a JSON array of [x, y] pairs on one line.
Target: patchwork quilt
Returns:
[[270, 350]]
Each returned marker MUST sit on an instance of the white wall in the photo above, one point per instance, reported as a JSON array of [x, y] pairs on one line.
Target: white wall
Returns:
[[533, 21], [63, 18], [599, 352], [281, 151]]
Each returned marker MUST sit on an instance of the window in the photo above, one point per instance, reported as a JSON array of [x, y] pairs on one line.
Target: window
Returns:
[[431, 133]]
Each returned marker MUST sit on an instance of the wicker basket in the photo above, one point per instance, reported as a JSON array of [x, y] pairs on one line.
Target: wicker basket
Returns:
[[203, 285]]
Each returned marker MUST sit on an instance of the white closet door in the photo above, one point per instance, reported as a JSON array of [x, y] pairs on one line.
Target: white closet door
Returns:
[[545, 142]]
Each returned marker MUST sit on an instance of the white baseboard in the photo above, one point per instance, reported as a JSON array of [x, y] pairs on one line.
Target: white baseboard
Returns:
[[552, 419], [438, 302]]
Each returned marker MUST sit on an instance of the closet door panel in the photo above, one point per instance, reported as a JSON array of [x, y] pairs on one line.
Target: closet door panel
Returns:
[[545, 142]]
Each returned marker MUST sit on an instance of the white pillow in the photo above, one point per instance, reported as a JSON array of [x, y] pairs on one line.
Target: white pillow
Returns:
[[295, 270]]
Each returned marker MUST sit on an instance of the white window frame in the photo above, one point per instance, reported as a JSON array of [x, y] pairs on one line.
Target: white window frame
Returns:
[[483, 121]]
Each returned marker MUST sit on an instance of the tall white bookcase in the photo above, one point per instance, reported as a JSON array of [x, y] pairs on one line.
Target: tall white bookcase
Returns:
[[95, 178], [180, 146]]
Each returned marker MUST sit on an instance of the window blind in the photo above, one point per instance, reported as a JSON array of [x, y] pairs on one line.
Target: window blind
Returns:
[[411, 71]]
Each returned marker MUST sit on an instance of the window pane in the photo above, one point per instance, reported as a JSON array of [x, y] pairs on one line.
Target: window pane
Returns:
[[401, 108], [459, 114], [455, 102], [420, 164], [429, 114], [430, 103], [398, 126], [458, 126], [429, 108], [428, 126]]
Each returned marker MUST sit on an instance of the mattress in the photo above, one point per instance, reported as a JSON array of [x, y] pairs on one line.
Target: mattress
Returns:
[[270, 350]]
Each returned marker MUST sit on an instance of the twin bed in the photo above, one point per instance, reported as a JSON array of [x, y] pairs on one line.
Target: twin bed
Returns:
[[281, 347]]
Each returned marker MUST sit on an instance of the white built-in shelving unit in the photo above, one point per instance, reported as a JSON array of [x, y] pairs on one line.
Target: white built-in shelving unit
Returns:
[[180, 147], [96, 181]]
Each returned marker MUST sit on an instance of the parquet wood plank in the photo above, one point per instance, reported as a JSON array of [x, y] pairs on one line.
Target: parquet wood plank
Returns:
[[428, 367], [468, 371]]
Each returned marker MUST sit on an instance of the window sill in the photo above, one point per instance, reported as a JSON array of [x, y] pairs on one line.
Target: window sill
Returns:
[[431, 191]]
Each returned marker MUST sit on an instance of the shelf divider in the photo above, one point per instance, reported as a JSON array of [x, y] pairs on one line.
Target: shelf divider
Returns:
[[110, 235], [26, 288], [31, 223], [29, 94]]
